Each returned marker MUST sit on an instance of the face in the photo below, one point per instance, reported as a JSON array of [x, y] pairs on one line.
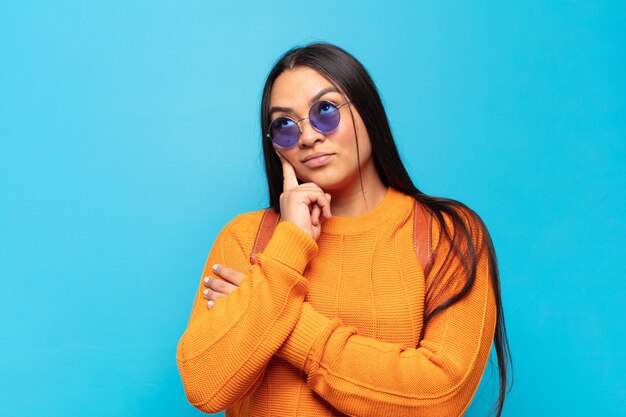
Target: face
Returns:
[[327, 159]]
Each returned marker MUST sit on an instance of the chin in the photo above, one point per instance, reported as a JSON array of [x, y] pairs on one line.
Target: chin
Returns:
[[331, 177], [327, 183]]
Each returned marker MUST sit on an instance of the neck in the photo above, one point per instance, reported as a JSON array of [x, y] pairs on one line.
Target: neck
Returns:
[[355, 201]]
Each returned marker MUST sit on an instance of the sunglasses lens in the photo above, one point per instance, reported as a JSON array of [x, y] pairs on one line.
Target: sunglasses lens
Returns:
[[284, 132], [324, 116]]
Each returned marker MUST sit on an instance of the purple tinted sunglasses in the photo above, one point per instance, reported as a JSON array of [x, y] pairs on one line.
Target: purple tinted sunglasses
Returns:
[[323, 116]]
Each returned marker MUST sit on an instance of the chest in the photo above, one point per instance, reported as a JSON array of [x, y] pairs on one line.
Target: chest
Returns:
[[373, 282]]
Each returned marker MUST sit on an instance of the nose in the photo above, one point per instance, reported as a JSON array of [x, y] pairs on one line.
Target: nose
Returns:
[[308, 135]]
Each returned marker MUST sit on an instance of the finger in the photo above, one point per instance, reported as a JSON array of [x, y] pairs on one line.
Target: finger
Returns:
[[207, 281], [289, 174], [320, 199], [220, 286], [206, 294], [210, 294], [315, 215], [328, 214], [316, 197], [230, 275], [223, 286]]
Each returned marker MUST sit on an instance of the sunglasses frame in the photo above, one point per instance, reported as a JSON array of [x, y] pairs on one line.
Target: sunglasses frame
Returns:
[[296, 122]]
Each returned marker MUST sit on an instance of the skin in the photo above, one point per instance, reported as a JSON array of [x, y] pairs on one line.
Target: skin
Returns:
[[330, 186], [296, 90]]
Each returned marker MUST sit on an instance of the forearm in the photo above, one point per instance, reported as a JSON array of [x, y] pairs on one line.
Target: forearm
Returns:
[[224, 351], [368, 377]]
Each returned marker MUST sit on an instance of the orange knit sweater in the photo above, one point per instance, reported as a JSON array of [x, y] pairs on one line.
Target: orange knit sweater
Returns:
[[333, 327]]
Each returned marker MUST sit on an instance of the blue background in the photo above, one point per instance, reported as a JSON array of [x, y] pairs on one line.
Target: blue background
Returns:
[[129, 137]]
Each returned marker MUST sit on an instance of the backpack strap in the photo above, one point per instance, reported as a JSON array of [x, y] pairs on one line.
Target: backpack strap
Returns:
[[269, 221], [422, 237]]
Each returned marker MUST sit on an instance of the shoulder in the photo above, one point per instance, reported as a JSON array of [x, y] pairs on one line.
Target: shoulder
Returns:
[[459, 222], [244, 224], [241, 230]]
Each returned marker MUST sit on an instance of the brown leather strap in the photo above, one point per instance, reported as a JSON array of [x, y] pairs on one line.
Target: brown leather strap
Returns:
[[422, 238], [269, 221]]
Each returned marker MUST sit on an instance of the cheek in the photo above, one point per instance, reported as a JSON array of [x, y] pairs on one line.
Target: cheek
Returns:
[[350, 129], [365, 145], [287, 154], [290, 155], [344, 137]]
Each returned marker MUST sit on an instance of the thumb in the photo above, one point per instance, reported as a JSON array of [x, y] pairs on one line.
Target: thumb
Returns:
[[289, 174]]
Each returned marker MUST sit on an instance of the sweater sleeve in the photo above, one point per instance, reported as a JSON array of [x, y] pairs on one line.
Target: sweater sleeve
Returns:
[[223, 352], [363, 376]]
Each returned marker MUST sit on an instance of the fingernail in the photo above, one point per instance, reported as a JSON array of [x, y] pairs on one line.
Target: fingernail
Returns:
[[210, 303], [215, 267], [206, 280], [206, 292]]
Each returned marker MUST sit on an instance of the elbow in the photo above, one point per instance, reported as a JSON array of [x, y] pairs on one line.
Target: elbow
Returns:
[[207, 406], [211, 387], [461, 385], [197, 383], [457, 402], [449, 387], [196, 386]]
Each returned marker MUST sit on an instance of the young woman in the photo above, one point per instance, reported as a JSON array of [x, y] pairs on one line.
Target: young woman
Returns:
[[338, 315]]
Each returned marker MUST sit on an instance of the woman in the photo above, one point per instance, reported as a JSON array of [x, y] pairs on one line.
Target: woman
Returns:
[[338, 315]]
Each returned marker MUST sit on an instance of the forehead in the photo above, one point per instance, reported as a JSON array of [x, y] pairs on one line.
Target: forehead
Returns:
[[297, 85]]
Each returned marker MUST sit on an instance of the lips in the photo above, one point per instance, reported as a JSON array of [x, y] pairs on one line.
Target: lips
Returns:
[[317, 159]]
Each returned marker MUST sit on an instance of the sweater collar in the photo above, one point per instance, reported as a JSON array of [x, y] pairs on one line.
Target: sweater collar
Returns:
[[393, 210]]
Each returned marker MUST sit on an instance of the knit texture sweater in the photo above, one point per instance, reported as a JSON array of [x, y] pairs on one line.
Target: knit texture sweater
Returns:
[[336, 327]]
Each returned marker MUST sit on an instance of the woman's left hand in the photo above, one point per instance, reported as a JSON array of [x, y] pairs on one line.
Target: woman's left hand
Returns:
[[220, 288]]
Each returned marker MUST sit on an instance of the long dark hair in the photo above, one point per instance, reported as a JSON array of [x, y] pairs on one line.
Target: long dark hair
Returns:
[[351, 78]]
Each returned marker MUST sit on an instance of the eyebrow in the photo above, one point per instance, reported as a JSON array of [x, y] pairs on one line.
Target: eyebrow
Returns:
[[316, 97]]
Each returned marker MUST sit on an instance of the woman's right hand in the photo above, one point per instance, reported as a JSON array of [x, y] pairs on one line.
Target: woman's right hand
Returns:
[[305, 205]]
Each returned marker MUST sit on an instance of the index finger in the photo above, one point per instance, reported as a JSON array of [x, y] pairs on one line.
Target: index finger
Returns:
[[228, 274], [289, 174]]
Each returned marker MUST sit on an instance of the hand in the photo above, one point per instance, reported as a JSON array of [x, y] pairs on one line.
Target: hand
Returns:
[[303, 204], [220, 288]]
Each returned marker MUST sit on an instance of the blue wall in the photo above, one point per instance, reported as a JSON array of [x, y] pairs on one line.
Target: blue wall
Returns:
[[128, 138]]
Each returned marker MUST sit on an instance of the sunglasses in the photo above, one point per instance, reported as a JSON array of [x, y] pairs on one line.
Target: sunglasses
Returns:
[[323, 116]]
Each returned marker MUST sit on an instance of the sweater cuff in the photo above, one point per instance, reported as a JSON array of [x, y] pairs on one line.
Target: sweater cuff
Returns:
[[291, 246], [310, 326]]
